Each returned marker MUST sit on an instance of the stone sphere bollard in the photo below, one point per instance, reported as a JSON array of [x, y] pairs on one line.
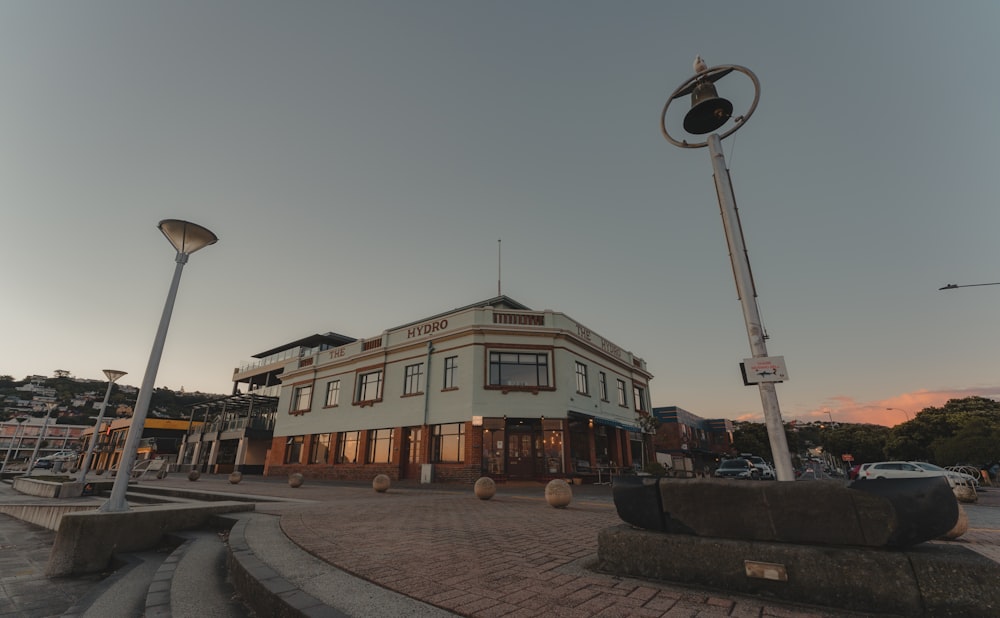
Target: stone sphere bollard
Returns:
[[380, 483], [961, 526], [485, 488], [558, 493], [194, 475], [235, 477], [965, 494], [295, 479]]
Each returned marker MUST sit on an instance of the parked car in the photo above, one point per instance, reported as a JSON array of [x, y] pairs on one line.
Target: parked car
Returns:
[[765, 469], [49, 461], [737, 469], [905, 469], [63, 456], [960, 478]]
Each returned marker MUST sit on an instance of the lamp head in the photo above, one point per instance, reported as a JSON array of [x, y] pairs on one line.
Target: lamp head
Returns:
[[113, 374], [708, 110], [186, 237]]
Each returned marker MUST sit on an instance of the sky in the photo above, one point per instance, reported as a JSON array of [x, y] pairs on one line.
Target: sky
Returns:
[[359, 162]]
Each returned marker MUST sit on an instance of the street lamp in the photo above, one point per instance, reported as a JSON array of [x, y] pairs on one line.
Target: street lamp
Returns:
[[710, 113], [952, 286], [186, 238], [49, 407], [901, 410], [113, 375]]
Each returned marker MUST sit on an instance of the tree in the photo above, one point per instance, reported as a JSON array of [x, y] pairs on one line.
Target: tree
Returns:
[[977, 443]]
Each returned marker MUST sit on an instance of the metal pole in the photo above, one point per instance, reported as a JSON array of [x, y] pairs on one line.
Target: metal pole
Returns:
[[116, 502], [13, 438], [97, 432], [745, 289], [49, 408]]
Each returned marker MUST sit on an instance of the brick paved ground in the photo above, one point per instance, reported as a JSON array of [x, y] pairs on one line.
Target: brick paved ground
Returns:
[[512, 556]]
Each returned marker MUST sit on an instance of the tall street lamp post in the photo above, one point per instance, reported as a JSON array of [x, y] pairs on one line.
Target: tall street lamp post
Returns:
[[186, 238], [708, 114], [113, 375], [49, 407]]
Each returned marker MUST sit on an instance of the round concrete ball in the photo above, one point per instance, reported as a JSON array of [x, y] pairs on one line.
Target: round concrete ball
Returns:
[[235, 477], [194, 475], [961, 526], [295, 479], [965, 494], [485, 488], [558, 494], [380, 483]]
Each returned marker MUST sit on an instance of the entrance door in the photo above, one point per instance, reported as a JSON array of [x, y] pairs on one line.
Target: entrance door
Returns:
[[411, 452], [520, 455]]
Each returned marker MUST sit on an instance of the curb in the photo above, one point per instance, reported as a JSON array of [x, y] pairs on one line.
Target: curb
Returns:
[[262, 587]]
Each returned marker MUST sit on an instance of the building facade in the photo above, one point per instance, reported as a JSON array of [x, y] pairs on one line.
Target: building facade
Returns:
[[689, 444], [19, 435], [161, 438], [493, 388]]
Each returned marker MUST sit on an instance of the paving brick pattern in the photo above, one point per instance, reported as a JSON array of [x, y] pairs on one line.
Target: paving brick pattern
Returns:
[[512, 556]]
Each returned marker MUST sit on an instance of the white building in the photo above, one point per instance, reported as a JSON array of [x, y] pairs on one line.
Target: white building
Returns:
[[492, 388]]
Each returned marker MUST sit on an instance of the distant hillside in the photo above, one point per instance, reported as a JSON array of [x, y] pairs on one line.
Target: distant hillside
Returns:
[[79, 400]]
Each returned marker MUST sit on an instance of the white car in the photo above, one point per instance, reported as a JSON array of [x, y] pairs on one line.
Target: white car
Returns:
[[907, 469], [766, 471], [960, 478]]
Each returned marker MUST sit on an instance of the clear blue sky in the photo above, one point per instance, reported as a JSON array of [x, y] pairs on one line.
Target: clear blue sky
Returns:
[[359, 161]]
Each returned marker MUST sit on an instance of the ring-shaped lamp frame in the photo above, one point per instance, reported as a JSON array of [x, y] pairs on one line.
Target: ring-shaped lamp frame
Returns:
[[689, 85]]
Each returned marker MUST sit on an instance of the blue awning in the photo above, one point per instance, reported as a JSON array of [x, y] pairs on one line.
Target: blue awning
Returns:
[[618, 424]]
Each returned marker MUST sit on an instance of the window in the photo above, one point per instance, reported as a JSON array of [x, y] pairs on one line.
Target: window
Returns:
[[604, 387], [320, 450], [622, 400], [332, 393], [581, 379], [640, 397], [293, 450], [413, 380], [302, 398], [370, 386], [519, 369], [347, 447], [448, 445], [380, 446], [450, 369]]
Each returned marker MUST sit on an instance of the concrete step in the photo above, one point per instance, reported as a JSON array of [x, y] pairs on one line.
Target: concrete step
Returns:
[[124, 592], [278, 578], [193, 581]]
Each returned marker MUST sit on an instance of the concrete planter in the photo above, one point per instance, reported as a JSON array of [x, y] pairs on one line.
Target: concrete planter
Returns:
[[380, 483], [961, 526]]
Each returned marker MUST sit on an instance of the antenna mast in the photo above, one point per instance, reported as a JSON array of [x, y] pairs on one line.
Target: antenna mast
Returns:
[[498, 268]]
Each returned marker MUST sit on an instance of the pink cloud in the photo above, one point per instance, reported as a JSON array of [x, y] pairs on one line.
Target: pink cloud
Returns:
[[891, 411]]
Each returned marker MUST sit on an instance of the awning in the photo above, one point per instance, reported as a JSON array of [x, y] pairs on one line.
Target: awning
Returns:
[[618, 424]]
